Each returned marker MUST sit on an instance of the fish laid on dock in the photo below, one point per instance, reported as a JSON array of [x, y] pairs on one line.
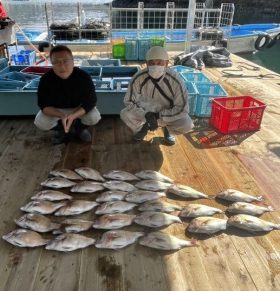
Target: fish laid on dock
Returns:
[[108, 196], [113, 221], [163, 241], [252, 223], [153, 175], [156, 219], [76, 207], [42, 206], [58, 182], [25, 238], [66, 173], [157, 205], [74, 225], [67, 242], [119, 186], [248, 208], [87, 187], [89, 174], [114, 207], [117, 239], [207, 224], [237, 196], [36, 222], [120, 175], [152, 185], [196, 210], [141, 196], [186, 192], [51, 195]]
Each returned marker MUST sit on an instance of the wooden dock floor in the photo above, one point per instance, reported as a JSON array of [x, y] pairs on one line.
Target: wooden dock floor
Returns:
[[203, 159]]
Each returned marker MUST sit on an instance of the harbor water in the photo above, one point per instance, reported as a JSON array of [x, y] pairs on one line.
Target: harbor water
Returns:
[[32, 14]]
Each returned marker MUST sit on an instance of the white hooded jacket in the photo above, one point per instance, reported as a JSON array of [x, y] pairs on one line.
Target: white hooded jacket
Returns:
[[168, 95]]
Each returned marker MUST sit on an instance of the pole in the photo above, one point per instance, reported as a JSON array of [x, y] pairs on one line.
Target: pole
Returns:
[[190, 25]]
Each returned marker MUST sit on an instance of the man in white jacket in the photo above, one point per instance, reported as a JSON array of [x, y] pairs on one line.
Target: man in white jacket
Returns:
[[157, 96]]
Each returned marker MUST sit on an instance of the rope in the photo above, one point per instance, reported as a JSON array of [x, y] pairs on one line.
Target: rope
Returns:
[[32, 45], [249, 67]]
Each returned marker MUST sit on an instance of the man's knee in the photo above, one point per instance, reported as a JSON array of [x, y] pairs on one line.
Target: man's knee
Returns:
[[91, 118]]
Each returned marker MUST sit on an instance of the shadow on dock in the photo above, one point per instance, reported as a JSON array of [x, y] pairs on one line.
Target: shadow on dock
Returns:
[[204, 136]]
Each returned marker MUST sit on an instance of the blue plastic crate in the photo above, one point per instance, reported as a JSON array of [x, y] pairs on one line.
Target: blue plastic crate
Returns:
[[11, 85], [18, 76], [103, 85], [101, 63], [180, 68], [195, 77], [206, 92], [120, 84], [33, 85], [24, 57], [144, 45], [192, 96], [93, 71], [122, 71], [131, 48]]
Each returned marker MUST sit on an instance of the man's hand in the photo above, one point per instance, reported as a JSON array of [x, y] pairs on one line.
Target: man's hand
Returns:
[[67, 121], [152, 118]]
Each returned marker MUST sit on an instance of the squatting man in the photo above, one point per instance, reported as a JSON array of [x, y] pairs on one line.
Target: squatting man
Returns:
[[67, 99], [157, 96]]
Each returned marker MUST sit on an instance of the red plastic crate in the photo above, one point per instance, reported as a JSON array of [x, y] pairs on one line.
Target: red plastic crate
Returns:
[[40, 70], [236, 114]]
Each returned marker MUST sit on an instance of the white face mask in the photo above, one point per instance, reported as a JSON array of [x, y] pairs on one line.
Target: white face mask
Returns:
[[156, 71]]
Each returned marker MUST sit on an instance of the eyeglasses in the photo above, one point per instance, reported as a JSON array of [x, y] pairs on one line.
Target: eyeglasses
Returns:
[[65, 62]]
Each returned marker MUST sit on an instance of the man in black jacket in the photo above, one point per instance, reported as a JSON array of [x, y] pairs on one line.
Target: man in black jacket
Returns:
[[67, 98]]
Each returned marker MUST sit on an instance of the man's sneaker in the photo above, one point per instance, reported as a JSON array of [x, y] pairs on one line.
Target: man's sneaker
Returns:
[[85, 135], [139, 136], [168, 138], [59, 137]]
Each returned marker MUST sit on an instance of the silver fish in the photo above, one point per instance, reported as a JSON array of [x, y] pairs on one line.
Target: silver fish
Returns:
[[247, 208], [117, 239], [157, 205], [67, 242], [163, 241], [87, 187], [36, 222], [74, 225], [25, 238], [252, 223], [152, 185], [141, 196], [58, 182], [111, 196], [153, 175], [186, 192], [113, 221], [114, 207], [156, 219], [76, 207], [66, 173], [89, 174], [195, 210], [120, 175], [51, 195], [42, 206], [207, 224], [119, 186], [238, 196]]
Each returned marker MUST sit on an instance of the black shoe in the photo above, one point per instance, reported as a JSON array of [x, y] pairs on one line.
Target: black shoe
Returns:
[[59, 138], [139, 136], [168, 138], [85, 136]]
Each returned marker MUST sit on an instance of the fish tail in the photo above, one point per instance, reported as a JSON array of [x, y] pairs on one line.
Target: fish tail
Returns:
[[270, 208], [260, 198]]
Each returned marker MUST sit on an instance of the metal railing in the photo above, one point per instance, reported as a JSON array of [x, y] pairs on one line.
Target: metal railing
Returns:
[[99, 22]]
